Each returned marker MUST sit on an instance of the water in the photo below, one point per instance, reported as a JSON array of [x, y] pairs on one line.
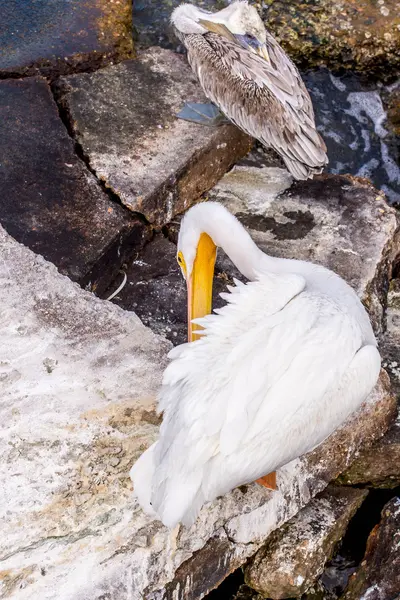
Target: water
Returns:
[[351, 117]]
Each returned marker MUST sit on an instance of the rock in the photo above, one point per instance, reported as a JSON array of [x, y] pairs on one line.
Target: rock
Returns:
[[364, 36], [379, 466], [67, 36], [78, 381], [393, 111], [123, 117], [341, 222], [378, 577], [246, 593], [156, 290], [390, 342], [50, 201], [295, 555]]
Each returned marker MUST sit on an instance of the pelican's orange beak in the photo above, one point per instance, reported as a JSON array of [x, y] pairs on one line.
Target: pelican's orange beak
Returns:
[[200, 283]]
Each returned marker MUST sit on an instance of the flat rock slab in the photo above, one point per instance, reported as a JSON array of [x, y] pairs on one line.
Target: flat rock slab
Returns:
[[378, 577], [123, 117], [295, 555], [363, 35], [57, 37], [50, 201]]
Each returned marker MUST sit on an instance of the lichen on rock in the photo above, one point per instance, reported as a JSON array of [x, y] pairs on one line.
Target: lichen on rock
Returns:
[[363, 35]]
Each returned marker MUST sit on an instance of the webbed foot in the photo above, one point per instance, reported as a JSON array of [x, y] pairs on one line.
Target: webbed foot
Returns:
[[202, 114]]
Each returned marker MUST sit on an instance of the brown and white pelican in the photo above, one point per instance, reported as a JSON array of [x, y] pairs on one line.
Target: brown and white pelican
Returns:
[[269, 377], [246, 74]]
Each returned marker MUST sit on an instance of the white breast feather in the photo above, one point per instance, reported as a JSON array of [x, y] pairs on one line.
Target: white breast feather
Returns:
[[272, 361]]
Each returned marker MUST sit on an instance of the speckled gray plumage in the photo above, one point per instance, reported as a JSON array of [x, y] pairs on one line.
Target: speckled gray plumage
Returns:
[[269, 101]]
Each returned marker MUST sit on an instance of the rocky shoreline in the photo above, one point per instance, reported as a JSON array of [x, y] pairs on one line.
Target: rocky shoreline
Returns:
[[96, 174]]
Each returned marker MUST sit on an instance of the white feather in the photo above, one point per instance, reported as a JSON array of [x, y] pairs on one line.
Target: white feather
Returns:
[[277, 370]]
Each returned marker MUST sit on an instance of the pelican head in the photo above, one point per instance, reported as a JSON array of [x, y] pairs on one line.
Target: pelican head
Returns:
[[205, 227], [238, 22]]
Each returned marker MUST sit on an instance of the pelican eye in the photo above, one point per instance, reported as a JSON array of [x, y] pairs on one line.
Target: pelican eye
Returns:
[[251, 40], [181, 262]]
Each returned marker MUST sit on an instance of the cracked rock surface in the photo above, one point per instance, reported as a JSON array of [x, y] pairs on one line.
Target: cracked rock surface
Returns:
[[378, 577], [124, 119], [295, 555], [52, 37], [50, 201]]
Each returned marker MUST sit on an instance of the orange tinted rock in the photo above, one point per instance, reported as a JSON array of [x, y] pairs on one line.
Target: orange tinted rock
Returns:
[[51, 38]]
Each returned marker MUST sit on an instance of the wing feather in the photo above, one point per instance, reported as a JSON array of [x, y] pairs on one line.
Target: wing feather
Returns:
[[268, 100], [265, 366]]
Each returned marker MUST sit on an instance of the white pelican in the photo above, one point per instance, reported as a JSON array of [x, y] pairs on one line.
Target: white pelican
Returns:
[[271, 375], [247, 75]]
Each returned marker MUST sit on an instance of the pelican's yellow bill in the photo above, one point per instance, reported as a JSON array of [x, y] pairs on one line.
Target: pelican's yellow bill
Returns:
[[199, 286]]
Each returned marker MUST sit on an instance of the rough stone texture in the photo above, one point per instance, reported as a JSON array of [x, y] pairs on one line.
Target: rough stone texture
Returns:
[[380, 465], [246, 593], [295, 555], [393, 111], [78, 380], [52, 37], [50, 201], [156, 290], [124, 119], [390, 341], [363, 35], [341, 222], [378, 577]]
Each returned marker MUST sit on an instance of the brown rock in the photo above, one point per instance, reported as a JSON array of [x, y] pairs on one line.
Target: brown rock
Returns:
[[358, 34], [124, 119], [52, 39], [380, 465], [295, 555], [393, 111], [378, 577], [50, 201]]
